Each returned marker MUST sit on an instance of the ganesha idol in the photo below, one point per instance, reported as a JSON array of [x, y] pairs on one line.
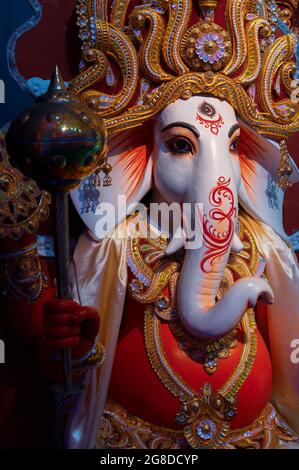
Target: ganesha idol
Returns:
[[196, 100]]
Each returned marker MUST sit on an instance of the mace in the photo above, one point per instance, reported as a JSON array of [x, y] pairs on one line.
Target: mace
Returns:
[[58, 142]]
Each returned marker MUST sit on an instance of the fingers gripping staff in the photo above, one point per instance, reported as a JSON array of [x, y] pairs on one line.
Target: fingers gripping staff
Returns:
[[68, 325]]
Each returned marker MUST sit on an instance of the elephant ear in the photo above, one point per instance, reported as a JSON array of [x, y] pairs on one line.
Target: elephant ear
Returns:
[[102, 208], [259, 192]]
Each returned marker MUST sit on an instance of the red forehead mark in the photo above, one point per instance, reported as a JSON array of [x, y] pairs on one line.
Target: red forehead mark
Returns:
[[213, 125]]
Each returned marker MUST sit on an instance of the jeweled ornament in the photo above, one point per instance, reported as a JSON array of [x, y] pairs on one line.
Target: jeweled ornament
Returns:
[[57, 141], [22, 204], [208, 418], [206, 46], [206, 429]]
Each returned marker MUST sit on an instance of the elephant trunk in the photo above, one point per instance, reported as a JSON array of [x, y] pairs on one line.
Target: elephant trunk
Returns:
[[204, 266]]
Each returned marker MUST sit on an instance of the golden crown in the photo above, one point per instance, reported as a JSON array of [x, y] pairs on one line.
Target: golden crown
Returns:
[[138, 57]]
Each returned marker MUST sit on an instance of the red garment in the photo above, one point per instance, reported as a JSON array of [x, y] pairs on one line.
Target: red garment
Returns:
[[136, 387]]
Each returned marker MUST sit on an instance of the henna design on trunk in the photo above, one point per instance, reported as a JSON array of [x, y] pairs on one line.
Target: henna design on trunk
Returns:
[[217, 241]]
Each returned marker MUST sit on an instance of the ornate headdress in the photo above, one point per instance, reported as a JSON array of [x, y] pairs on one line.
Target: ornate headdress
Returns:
[[138, 57]]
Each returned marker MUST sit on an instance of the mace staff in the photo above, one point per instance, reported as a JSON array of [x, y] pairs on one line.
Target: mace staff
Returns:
[[62, 249], [58, 142]]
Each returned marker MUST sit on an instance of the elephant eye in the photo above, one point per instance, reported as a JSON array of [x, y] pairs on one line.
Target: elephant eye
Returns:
[[180, 146], [234, 144]]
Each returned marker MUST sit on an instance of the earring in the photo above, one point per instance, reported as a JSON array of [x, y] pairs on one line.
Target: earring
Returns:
[[97, 178], [106, 168], [285, 168]]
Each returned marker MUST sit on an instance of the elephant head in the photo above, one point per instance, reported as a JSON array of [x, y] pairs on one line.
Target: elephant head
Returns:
[[197, 151]]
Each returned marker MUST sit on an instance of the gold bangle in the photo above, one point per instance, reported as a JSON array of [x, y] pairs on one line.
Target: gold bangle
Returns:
[[94, 360]]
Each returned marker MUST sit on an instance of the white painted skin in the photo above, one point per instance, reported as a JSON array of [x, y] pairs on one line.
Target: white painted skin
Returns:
[[189, 175]]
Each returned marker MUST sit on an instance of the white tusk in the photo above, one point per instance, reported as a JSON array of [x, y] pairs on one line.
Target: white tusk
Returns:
[[237, 245]]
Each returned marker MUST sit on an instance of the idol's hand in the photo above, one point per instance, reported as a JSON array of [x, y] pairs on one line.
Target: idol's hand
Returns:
[[68, 324]]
